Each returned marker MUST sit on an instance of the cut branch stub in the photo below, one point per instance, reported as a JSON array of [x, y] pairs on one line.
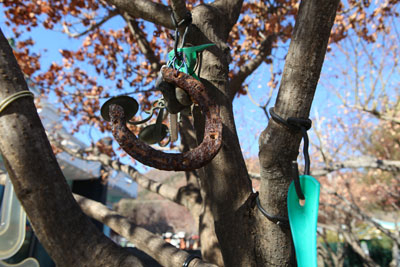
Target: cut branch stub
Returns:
[[193, 159]]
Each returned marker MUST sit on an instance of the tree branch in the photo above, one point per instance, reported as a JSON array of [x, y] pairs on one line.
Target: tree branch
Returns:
[[230, 8], [280, 146], [264, 50], [356, 211], [153, 245], [377, 114], [145, 9], [352, 163], [185, 196], [353, 241], [143, 44], [360, 162], [179, 9], [110, 15], [67, 234]]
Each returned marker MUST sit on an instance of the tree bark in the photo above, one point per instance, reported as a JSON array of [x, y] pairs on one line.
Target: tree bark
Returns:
[[66, 233], [165, 253], [279, 145], [225, 183], [244, 236], [145, 9]]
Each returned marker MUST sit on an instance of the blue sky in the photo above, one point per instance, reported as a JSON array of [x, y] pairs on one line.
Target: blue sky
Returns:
[[250, 119]]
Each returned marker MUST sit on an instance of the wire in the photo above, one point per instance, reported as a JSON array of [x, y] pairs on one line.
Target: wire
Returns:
[[189, 259], [8, 100], [279, 220]]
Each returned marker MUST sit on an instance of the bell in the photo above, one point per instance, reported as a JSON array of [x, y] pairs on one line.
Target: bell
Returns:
[[129, 105], [183, 97], [168, 90], [153, 133]]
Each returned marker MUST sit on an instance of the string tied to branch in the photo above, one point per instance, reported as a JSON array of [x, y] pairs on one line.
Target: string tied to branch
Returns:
[[303, 125], [302, 198], [8, 100], [186, 21]]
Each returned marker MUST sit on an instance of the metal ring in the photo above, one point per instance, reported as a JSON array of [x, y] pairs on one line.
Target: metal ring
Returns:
[[8, 100], [279, 220], [189, 259], [279, 119]]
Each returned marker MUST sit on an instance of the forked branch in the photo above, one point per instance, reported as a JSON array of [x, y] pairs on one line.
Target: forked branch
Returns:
[[93, 27]]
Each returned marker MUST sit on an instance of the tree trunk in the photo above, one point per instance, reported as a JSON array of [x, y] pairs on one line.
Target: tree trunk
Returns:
[[245, 237], [68, 235], [278, 144], [225, 180]]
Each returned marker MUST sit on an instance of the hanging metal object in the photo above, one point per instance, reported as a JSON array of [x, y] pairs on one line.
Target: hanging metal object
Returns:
[[158, 104], [174, 127], [151, 135], [168, 90], [154, 133], [190, 160], [129, 105]]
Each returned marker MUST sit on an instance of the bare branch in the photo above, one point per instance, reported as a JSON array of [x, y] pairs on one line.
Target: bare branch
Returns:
[[377, 114], [352, 163], [143, 44], [92, 27], [153, 245], [355, 210], [40, 185], [356, 246], [264, 50], [360, 162], [145, 9], [183, 196], [265, 106]]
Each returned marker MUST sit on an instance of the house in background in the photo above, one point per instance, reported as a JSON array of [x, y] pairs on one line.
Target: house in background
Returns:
[[83, 176]]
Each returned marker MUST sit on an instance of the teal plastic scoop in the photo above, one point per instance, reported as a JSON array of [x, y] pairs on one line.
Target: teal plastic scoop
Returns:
[[303, 220], [190, 56]]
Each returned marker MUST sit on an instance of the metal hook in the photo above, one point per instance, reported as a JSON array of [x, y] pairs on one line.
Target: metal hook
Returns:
[[303, 125], [187, 20], [296, 180], [295, 167], [158, 104]]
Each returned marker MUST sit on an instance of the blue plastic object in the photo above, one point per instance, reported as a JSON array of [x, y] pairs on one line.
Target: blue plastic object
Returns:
[[303, 220]]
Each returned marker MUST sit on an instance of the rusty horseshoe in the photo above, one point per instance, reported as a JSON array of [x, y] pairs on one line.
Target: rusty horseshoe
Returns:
[[190, 160]]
